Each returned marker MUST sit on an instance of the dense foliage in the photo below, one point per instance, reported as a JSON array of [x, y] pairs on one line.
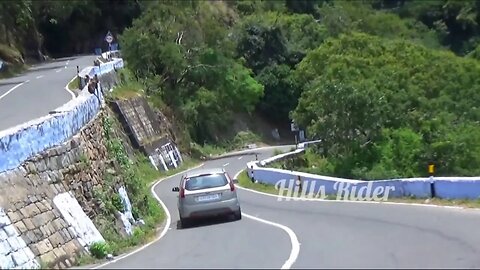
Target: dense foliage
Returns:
[[190, 65], [387, 108], [388, 85]]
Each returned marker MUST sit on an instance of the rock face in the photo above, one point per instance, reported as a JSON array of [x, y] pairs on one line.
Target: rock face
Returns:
[[147, 132], [30, 222]]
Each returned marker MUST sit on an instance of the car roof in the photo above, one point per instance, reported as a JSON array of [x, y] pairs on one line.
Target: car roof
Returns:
[[198, 172]]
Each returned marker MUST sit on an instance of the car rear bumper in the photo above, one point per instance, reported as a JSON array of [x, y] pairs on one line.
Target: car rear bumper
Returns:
[[209, 209]]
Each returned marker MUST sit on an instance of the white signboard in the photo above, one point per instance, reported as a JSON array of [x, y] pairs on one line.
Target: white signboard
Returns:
[[293, 127], [109, 37]]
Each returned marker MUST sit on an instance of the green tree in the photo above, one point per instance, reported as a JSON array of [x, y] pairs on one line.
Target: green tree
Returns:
[[281, 92], [456, 22], [192, 63], [271, 45], [358, 86]]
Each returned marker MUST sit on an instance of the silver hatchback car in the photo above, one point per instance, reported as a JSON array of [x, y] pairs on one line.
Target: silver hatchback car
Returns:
[[207, 192]]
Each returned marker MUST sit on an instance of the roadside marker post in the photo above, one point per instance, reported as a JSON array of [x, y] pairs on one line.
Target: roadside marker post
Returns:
[[79, 79], [431, 171], [299, 183]]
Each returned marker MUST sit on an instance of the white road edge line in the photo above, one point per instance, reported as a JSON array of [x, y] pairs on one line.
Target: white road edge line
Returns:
[[68, 90], [240, 157], [293, 237], [167, 223], [293, 240], [38, 77], [58, 70], [226, 164], [348, 201], [13, 88]]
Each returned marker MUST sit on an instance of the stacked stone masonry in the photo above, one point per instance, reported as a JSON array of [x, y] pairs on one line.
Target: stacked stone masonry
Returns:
[[29, 221], [13, 249]]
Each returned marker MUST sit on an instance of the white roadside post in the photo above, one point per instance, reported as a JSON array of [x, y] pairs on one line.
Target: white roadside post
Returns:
[[294, 128]]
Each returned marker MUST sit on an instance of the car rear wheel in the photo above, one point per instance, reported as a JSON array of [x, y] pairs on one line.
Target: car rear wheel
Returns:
[[238, 214], [185, 223]]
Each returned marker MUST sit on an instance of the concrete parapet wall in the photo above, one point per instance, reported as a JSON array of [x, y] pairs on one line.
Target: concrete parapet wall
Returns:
[[50, 169], [441, 187], [21, 142]]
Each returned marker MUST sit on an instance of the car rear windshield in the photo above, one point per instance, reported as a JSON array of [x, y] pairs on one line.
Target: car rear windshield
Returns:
[[206, 181]]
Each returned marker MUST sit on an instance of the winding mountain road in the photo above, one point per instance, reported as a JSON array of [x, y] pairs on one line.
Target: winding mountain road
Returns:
[[39, 90], [311, 234]]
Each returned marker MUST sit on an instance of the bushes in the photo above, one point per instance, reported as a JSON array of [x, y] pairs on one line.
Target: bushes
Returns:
[[99, 250]]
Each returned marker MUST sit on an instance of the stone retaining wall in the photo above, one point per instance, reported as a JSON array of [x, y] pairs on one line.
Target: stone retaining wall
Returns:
[[27, 194]]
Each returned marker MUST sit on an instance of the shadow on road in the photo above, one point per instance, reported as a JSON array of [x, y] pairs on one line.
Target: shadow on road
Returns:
[[210, 221], [10, 83], [35, 69], [62, 59]]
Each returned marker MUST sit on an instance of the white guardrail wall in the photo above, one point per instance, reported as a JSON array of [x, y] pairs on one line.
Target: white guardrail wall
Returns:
[[440, 187], [19, 143]]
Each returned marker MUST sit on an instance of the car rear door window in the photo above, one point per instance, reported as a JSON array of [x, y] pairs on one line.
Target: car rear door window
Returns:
[[206, 181]]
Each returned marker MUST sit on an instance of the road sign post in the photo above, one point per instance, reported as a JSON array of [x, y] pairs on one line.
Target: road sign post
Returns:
[[431, 171], [294, 128], [109, 39]]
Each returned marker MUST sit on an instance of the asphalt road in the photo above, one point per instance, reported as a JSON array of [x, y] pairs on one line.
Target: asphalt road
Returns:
[[38, 91], [331, 234]]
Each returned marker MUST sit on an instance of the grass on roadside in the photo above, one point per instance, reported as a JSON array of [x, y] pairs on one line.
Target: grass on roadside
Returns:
[[13, 70], [129, 87], [246, 182], [73, 84], [207, 150], [239, 142], [437, 201], [126, 91]]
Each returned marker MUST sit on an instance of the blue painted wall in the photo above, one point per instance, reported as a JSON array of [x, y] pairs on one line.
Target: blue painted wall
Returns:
[[457, 189], [22, 142], [440, 187]]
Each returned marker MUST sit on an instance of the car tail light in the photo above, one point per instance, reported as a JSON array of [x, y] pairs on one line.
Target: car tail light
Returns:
[[232, 185], [182, 192]]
